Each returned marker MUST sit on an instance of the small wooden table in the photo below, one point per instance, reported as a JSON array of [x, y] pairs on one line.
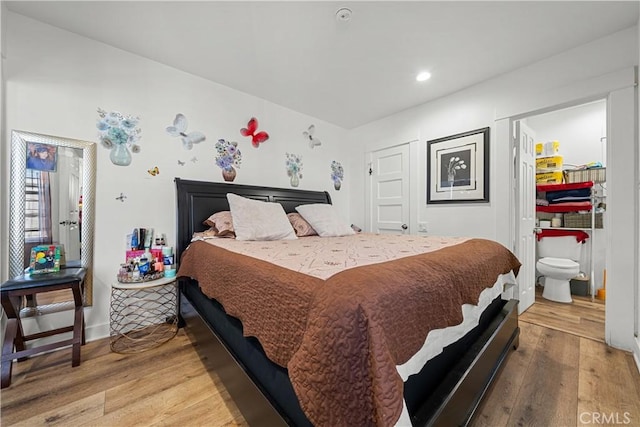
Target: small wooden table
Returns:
[[12, 292]]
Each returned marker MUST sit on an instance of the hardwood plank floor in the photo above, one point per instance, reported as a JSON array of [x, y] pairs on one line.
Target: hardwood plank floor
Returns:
[[553, 378], [583, 317]]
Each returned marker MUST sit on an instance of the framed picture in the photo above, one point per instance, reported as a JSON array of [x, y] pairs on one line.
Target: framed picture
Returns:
[[458, 168], [42, 157]]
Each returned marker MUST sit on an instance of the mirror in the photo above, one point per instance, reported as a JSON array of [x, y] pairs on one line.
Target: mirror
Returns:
[[52, 201]]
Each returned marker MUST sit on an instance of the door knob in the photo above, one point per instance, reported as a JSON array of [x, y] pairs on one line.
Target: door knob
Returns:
[[404, 226]]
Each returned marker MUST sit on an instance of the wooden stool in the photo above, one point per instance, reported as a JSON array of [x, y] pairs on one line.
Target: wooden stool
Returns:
[[12, 292]]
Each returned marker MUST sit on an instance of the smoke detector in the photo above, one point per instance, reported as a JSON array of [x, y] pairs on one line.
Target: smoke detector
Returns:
[[343, 14]]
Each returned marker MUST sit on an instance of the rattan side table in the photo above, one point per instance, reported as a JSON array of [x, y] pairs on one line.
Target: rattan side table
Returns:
[[143, 314]]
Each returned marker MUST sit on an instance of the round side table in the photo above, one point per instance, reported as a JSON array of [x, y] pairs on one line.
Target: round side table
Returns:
[[143, 314]]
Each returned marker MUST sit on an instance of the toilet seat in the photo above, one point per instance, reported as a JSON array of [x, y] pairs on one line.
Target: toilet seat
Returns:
[[559, 263]]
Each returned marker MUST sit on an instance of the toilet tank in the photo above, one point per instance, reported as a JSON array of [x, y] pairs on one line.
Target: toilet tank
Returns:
[[560, 247]]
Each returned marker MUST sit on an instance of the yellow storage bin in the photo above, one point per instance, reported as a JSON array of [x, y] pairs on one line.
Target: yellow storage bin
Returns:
[[548, 164], [549, 178]]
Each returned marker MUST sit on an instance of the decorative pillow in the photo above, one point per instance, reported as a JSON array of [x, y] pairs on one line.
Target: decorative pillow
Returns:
[[302, 227], [325, 219], [257, 220], [222, 224]]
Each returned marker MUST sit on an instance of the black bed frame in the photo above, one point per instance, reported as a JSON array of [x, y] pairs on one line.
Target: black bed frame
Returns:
[[448, 390]]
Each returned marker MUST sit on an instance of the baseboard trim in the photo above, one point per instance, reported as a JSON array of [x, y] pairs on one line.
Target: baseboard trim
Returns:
[[636, 352], [96, 332]]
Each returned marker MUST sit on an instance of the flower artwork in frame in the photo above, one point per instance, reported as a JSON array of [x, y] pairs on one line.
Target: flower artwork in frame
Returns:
[[458, 168]]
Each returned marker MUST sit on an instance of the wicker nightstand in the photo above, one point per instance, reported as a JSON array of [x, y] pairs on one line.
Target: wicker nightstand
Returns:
[[143, 314]]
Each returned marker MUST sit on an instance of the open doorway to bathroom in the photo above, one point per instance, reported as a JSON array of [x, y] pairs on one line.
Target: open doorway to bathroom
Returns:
[[571, 150]]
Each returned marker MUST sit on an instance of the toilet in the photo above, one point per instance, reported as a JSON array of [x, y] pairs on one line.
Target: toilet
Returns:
[[559, 263]]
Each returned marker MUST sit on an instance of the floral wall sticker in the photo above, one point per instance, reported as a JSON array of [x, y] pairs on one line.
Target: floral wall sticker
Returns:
[[294, 168], [228, 155], [308, 134], [179, 128], [337, 174], [120, 134], [250, 130]]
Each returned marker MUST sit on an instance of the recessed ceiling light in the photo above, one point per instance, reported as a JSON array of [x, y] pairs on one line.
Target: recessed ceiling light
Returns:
[[423, 76]]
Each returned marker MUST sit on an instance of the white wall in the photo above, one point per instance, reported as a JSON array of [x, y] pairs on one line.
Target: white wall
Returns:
[[636, 348], [55, 82], [579, 75], [477, 107], [578, 129]]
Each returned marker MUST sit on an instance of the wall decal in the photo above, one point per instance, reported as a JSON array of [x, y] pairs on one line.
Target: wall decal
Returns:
[[121, 197], [179, 128], [154, 171], [294, 168], [250, 130], [120, 134], [181, 163], [337, 174], [228, 155], [308, 134], [194, 159]]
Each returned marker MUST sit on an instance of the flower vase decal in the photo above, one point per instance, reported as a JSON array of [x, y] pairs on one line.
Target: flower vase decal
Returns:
[[294, 168], [455, 164], [228, 155], [119, 134], [337, 174]]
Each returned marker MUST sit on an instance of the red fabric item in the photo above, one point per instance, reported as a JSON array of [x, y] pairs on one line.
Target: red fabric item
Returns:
[[580, 236], [565, 207], [560, 187]]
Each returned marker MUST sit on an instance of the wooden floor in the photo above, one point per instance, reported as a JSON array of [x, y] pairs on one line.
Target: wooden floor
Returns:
[[583, 317], [553, 379]]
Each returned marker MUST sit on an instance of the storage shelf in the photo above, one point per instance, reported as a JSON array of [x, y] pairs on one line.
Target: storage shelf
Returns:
[[566, 228], [562, 208], [561, 187]]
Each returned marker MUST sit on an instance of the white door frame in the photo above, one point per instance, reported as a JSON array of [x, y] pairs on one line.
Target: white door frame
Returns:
[[619, 90]]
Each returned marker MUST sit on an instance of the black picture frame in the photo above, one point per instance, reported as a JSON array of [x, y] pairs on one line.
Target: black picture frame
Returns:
[[458, 168]]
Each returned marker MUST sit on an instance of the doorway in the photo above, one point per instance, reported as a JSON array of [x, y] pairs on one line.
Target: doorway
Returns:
[[579, 133]]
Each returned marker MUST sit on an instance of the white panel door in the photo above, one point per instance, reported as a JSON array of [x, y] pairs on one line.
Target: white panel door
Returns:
[[390, 190], [526, 214]]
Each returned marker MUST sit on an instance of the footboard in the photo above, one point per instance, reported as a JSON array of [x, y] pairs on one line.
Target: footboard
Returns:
[[455, 401]]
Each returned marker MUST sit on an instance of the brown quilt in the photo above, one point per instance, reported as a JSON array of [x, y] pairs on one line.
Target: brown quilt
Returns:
[[341, 338]]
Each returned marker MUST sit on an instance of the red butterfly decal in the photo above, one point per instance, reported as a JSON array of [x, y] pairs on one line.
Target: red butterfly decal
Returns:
[[250, 130]]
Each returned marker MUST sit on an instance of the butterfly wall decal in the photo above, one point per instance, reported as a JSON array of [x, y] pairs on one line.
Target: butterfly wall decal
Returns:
[[250, 130], [121, 197], [179, 128], [181, 163], [308, 134], [153, 172]]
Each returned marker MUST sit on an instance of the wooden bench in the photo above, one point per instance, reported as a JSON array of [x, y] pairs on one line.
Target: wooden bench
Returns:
[[13, 292]]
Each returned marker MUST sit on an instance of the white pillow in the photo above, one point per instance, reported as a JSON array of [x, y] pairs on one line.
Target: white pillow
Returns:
[[325, 219], [256, 220]]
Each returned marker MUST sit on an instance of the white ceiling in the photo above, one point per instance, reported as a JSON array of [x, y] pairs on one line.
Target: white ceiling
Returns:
[[296, 53]]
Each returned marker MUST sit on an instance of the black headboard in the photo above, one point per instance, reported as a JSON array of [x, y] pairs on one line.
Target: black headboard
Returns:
[[197, 200]]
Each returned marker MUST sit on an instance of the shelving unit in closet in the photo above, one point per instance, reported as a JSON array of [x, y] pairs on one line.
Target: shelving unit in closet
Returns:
[[578, 216]]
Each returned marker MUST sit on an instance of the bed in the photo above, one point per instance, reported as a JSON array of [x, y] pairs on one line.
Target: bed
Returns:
[[445, 391]]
